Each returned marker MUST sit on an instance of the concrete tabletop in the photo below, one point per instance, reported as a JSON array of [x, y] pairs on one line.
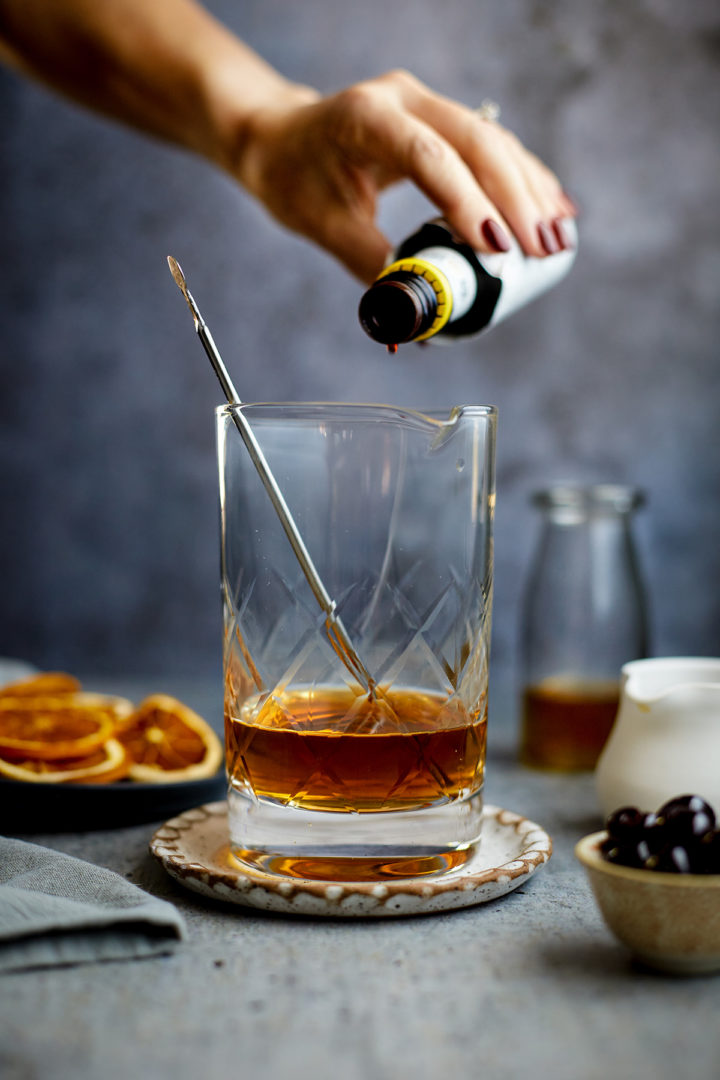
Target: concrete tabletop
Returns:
[[531, 984]]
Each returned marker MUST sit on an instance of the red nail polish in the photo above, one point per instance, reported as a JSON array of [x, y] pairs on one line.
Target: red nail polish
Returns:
[[562, 234], [495, 235], [548, 241]]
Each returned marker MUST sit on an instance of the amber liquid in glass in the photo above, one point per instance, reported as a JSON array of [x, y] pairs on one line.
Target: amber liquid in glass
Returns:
[[566, 722], [328, 749]]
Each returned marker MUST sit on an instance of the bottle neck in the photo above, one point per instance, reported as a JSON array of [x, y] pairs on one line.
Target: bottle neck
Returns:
[[400, 306], [579, 504]]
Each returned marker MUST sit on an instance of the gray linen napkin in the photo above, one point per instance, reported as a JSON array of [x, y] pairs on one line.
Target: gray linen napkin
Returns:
[[57, 910]]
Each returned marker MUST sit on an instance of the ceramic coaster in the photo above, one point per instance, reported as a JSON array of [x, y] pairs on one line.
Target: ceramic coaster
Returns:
[[194, 850]]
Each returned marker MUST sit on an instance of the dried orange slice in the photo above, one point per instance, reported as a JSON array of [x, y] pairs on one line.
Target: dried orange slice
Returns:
[[168, 742], [108, 762], [51, 728], [47, 683]]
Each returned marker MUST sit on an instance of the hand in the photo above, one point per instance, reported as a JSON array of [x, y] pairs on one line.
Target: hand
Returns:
[[319, 165]]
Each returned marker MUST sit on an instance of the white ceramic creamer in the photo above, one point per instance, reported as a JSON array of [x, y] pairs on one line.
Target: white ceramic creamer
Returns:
[[666, 738]]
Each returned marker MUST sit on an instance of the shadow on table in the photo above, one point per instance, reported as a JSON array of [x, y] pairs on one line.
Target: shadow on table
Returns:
[[578, 958]]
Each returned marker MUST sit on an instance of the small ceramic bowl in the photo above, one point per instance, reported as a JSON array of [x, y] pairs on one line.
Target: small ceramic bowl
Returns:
[[670, 921]]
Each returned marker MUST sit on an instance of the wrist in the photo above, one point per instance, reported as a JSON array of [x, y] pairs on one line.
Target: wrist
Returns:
[[241, 95]]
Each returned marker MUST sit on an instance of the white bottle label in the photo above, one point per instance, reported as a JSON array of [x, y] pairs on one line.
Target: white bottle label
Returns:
[[524, 277]]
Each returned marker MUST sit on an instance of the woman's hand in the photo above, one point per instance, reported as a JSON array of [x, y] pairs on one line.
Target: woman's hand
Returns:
[[319, 165]]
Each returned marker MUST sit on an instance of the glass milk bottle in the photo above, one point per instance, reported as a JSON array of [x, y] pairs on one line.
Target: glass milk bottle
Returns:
[[583, 617]]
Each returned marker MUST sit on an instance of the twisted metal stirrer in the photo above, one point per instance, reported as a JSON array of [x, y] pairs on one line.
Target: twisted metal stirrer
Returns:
[[336, 631]]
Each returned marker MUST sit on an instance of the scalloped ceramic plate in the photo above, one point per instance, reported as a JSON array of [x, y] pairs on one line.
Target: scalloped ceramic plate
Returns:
[[193, 848]]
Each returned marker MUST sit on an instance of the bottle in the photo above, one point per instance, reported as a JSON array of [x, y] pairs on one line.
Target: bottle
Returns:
[[439, 287], [584, 616]]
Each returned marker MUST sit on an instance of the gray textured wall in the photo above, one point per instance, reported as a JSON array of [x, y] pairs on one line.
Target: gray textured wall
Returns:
[[108, 545]]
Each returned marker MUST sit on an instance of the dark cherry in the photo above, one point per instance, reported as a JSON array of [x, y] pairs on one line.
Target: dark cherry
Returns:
[[687, 819], [675, 860], [612, 851], [708, 853], [626, 824], [636, 855], [688, 828], [653, 832], [683, 803], [680, 838]]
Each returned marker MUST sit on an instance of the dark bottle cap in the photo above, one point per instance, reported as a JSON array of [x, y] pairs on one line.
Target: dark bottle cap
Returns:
[[399, 307]]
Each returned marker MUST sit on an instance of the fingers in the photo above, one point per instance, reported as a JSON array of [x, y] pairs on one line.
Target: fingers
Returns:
[[399, 144], [544, 187], [441, 174], [501, 178], [524, 193], [319, 168]]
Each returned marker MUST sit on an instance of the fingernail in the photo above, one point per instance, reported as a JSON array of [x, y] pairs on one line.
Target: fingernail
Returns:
[[547, 239], [495, 235], [562, 234]]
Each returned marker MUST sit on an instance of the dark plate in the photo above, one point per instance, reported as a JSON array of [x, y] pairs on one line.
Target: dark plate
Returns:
[[51, 808]]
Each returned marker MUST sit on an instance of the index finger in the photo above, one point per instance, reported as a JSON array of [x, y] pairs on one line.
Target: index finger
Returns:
[[406, 146], [524, 191]]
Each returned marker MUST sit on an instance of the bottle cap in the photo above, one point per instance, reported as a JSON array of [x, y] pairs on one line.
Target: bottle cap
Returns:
[[397, 308]]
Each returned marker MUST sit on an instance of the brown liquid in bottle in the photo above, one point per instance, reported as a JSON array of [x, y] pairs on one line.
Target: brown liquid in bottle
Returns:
[[566, 723], [327, 749]]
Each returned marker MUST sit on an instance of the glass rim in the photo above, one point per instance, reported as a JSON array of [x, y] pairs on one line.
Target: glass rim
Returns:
[[621, 498], [443, 414]]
